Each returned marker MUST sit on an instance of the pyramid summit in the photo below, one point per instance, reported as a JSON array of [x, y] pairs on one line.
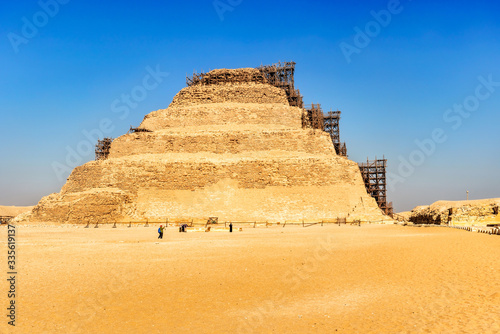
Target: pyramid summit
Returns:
[[230, 145]]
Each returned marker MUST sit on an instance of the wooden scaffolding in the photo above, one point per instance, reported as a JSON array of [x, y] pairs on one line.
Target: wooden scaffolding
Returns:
[[222, 77], [313, 117], [374, 176], [282, 75], [134, 130], [196, 78], [331, 125], [102, 148]]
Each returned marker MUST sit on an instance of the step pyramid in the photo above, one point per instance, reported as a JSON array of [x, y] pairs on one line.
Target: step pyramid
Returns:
[[231, 148]]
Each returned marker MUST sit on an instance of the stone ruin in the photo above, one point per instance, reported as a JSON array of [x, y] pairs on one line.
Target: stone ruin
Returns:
[[458, 213], [229, 146]]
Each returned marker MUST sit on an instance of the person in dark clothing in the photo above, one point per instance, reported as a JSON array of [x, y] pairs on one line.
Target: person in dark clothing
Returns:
[[230, 227], [160, 232]]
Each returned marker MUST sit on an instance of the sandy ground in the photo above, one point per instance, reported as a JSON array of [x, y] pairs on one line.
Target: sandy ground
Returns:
[[330, 279]]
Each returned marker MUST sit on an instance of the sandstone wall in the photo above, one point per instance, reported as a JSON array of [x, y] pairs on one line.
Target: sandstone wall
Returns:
[[191, 171], [229, 202], [235, 189], [213, 141], [95, 206], [230, 93], [222, 76], [238, 114]]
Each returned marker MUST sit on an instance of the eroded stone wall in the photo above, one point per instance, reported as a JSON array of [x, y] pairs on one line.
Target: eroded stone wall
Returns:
[[213, 141], [223, 76], [474, 212], [230, 93], [266, 189], [192, 171], [238, 115]]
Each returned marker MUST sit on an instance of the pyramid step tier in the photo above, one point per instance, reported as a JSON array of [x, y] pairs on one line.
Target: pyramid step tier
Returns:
[[216, 141], [193, 170], [231, 92], [262, 186], [236, 114]]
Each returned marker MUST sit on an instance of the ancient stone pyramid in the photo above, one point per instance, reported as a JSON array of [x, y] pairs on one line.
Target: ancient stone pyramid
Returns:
[[234, 149]]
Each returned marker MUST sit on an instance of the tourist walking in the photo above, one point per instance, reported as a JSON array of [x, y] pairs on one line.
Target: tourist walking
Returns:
[[160, 232]]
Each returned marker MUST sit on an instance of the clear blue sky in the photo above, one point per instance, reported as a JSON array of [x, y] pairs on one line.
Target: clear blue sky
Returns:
[[66, 68]]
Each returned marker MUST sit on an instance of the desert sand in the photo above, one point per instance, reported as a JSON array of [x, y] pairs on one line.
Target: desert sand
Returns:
[[318, 279], [13, 210]]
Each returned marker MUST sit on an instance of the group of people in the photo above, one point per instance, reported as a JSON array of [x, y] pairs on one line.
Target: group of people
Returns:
[[182, 228]]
